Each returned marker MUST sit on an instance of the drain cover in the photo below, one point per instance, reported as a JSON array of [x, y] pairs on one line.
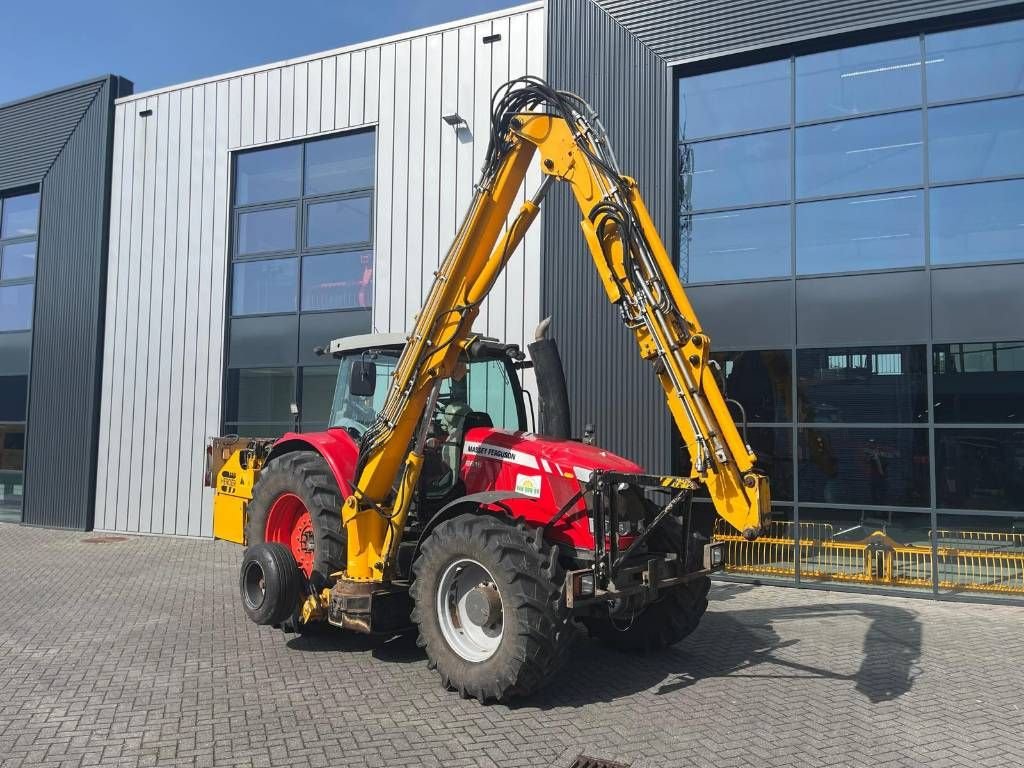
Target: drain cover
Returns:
[[585, 761], [104, 539]]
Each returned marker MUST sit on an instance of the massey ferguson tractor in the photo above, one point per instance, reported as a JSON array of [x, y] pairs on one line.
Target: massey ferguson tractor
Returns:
[[429, 504]]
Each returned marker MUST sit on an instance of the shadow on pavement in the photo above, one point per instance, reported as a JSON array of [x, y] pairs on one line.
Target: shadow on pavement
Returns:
[[728, 643]]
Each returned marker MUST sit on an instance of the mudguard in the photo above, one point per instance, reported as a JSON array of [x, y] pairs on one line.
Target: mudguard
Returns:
[[489, 501], [335, 445]]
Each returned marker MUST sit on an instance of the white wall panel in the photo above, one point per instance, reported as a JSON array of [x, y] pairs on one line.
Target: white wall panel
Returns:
[[170, 209]]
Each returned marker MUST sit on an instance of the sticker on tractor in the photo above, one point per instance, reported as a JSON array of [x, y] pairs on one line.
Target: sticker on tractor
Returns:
[[528, 485], [482, 451]]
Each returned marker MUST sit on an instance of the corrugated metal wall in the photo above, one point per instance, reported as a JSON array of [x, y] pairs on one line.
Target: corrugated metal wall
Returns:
[[629, 86], [679, 32], [169, 223], [67, 331], [631, 83], [61, 141]]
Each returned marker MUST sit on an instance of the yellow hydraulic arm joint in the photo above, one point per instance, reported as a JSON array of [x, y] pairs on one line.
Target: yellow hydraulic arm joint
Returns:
[[640, 281]]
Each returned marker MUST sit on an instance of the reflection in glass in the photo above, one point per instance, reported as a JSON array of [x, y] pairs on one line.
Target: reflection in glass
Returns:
[[317, 393], [338, 222], [266, 231], [981, 553], [13, 397], [267, 175], [735, 245], [977, 222], [735, 100], [19, 216], [978, 61], [774, 449], [889, 548], [868, 78], [254, 395], [337, 280], [12, 462], [864, 466], [16, 307], [340, 164], [862, 154], [980, 468], [740, 171], [18, 260], [861, 233], [259, 429], [264, 287], [979, 382], [972, 141], [865, 384], [772, 554], [761, 381]]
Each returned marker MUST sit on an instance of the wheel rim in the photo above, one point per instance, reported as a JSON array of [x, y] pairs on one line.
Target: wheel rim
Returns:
[[289, 523], [472, 638], [254, 586]]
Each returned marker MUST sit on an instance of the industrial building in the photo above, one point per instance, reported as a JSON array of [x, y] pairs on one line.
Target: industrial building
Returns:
[[841, 184]]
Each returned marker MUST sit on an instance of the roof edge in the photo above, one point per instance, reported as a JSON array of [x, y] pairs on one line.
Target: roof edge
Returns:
[[62, 88], [409, 35]]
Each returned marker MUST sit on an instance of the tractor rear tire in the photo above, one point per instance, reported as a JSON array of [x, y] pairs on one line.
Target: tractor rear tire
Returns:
[[674, 615], [270, 583], [290, 486], [525, 634]]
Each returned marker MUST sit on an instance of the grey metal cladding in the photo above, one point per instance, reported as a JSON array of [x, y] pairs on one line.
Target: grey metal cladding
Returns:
[[63, 405], [688, 31], [980, 303], [630, 87]]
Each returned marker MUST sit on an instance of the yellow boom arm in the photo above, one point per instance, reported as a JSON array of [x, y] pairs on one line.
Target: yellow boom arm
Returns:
[[638, 277]]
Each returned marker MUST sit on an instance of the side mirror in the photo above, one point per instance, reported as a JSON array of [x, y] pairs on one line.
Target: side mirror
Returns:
[[363, 381]]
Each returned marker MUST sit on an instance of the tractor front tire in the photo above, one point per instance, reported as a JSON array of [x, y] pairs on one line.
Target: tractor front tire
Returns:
[[297, 503], [489, 607], [674, 615]]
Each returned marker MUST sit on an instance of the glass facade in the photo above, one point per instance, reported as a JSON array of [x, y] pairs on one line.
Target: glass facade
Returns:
[[892, 464], [301, 274], [19, 233], [880, 156]]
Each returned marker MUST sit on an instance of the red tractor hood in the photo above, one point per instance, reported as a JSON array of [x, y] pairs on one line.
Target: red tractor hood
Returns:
[[562, 457]]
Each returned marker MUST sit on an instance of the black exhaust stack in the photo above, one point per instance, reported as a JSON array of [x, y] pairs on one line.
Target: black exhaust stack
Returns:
[[554, 419]]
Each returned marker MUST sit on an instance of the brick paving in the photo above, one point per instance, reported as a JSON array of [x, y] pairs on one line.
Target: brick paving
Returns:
[[137, 653]]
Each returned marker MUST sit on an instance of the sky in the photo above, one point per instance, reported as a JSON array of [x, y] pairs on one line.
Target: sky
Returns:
[[49, 43]]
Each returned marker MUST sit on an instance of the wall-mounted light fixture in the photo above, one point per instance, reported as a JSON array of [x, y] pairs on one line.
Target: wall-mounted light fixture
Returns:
[[455, 120], [145, 112]]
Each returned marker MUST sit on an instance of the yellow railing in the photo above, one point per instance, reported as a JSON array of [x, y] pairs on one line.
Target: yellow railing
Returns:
[[982, 561]]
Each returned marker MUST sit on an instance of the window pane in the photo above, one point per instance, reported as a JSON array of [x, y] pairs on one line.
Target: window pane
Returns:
[[19, 216], [16, 307], [265, 286], [259, 429], [891, 548], [736, 245], [317, 393], [981, 554], [338, 222], [18, 260], [970, 141], [860, 233], [979, 468], [761, 381], [337, 280], [773, 447], [872, 384], [854, 155], [740, 171], [867, 78], [13, 396], [266, 231], [267, 175], [979, 382], [486, 388], [864, 466], [259, 395], [735, 100], [975, 62], [12, 461], [773, 554], [340, 164], [977, 222]]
